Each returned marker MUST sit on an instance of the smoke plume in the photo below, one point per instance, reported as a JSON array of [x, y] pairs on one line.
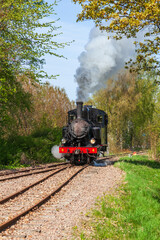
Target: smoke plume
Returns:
[[101, 59]]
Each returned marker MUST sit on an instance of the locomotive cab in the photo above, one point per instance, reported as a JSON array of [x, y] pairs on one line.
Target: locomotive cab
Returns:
[[85, 134]]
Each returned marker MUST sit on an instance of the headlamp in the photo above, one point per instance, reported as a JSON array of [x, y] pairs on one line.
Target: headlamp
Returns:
[[92, 141], [63, 141]]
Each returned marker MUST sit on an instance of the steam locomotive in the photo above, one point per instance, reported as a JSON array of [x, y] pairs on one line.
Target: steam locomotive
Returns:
[[85, 135]]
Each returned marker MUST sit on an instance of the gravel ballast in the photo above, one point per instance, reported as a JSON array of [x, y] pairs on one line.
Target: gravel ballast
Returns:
[[55, 220]]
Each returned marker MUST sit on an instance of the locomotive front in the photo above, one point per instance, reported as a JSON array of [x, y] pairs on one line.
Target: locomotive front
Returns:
[[81, 137]]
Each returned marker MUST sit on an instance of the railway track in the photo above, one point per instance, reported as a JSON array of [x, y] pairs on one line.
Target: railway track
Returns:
[[5, 199], [27, 169], [110, 157], [28, 172], [10, 208], [48, 166], [13, 207]]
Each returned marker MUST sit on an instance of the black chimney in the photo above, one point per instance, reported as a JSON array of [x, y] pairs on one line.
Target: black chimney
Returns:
[[79, 109]]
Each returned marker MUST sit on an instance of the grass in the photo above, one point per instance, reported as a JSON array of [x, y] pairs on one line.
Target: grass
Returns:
[[13, 166], [133, 211]]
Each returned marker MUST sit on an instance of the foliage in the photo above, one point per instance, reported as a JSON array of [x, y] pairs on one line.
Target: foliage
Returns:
[[13, 99], [23, 43], [25, 37], [154, 129], [49, 108], [31, 106], [41, 124], [126, 19], [31, 149], [132, 211], [129, 103]]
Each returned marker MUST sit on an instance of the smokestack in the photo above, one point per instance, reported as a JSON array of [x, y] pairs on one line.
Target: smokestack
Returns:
[[79, 109]]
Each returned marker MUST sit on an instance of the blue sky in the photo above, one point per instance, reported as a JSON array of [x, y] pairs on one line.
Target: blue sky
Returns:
[[79, 32]]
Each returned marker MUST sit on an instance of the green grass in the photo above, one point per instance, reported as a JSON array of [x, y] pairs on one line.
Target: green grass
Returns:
[[133, 211], [13, 166]]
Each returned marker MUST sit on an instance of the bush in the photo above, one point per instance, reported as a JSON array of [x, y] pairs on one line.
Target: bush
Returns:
[[35, 148]]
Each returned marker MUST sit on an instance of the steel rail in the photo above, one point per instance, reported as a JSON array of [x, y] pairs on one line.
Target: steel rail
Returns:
[[14, 219], [115, 155], [31, 173], [31, 169], [6, 199]]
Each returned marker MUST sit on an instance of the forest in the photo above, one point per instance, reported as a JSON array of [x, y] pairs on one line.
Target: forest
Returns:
[[32, 112], [132, 103]]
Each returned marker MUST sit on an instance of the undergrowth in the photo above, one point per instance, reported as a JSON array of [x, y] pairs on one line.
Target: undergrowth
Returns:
[[133, 211], [18, 151]]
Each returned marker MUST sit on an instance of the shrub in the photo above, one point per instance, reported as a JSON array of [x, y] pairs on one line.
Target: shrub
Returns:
[[35, 148]]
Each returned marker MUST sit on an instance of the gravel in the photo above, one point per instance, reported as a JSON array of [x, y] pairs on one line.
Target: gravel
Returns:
[[30, 197], [11, 186], [55, 220]]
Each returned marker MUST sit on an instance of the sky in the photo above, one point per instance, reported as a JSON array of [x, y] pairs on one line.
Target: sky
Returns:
[[72, 31]]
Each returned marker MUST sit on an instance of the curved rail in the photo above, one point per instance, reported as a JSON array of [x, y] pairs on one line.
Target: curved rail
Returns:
[[16, 171], [13, 220], [31, 173], [4, 200]]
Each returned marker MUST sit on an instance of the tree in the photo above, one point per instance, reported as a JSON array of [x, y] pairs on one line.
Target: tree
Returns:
[[126, 19], [154, 128], [49, 108], [13, 99], [129, 103], [25, 37], [22, 42]]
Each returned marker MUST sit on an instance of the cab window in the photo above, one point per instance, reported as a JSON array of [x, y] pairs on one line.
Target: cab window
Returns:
[[100, 119]]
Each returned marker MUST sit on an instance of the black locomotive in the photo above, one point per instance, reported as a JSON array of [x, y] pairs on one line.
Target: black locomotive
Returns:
[[85, 135]]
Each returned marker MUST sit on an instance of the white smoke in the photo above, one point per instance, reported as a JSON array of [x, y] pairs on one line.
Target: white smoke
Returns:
[[101, 59], [55, 152]]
